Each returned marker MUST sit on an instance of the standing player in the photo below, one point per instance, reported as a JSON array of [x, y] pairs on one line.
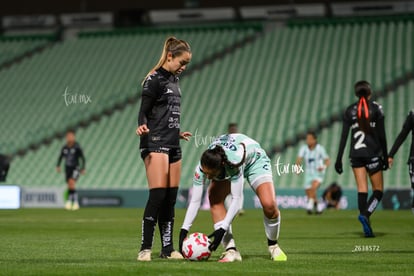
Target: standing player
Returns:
[[74, 166], [368, 152], [407, 127], [159, 129], [316, 161], [223, 166]]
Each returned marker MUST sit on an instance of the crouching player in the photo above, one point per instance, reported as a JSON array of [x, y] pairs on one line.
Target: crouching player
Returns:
[[223, 166]]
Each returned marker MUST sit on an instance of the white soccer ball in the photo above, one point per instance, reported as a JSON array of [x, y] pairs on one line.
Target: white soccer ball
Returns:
[[195, 247]]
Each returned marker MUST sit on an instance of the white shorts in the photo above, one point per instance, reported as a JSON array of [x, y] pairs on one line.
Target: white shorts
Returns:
[[311, 177]]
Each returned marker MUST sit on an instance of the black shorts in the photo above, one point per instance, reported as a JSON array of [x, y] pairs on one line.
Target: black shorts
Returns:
[[174, 154], [372, 165], [72, 172]]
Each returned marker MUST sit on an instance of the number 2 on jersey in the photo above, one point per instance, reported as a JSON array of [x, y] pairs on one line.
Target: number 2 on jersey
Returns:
[[360, 136]]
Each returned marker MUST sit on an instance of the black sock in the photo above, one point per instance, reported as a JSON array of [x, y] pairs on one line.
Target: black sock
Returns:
[[413, 199], [71, 195], [166, 221], [373, 202], [152, 209], [270, 242], [362, 202]]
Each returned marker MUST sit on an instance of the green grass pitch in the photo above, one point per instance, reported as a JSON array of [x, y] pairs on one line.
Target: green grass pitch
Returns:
[[104, 241]]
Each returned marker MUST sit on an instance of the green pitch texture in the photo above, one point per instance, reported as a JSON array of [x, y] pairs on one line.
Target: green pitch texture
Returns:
[[103, 241]]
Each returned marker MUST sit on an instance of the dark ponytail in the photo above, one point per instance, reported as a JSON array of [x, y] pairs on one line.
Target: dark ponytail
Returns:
[[216, 157], [363, 92]]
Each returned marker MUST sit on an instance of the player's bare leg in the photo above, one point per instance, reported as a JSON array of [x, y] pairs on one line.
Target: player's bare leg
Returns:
[[311, 194], [157, 167], [267, 197]]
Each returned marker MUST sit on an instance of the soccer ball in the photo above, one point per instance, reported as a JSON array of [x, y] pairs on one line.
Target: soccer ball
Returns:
[[195, 247]]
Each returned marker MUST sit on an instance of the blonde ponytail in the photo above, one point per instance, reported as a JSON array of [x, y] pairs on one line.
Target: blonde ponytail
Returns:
[[173, 45]]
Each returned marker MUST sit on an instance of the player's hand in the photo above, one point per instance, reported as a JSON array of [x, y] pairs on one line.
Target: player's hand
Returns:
[[218, 236], [183, 235], [390, 162], [58, 169], [186, 135], [338, 167], [385, 164], [82, 172], [142, 130]]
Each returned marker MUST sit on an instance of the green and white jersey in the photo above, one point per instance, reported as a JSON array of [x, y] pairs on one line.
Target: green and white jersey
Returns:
[[232, 145], [256, 168]]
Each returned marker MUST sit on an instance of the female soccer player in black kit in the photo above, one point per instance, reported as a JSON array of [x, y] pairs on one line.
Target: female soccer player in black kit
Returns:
[[159, 129], [368, 152], [72, 152], [407, 127]]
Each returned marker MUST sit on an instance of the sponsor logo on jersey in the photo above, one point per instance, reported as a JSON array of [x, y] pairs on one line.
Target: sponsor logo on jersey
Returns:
[[169, 91], [197, 175]]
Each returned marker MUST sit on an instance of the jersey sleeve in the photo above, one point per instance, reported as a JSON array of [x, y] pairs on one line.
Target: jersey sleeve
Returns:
[[381, 133], [407, 127], [346, 124], [324, 154], [60, 158], [82, 158], [148, 98], [236, 200], [301, 152], [195, 201]]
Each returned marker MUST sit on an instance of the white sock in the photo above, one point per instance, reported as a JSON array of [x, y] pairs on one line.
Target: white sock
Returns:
[[310, 204], [321, 206], [272, 227], [228, 240]]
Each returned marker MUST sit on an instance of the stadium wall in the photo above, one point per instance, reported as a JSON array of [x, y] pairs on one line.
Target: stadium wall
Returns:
[[286, 198]]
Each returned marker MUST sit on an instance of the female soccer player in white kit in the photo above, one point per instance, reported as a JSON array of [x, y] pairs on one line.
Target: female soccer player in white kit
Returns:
[[223, 166], [316, 160]]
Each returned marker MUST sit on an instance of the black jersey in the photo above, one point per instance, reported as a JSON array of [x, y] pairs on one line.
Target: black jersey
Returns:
[[335, 192], [364, 145], [73, 155], [407, 127], [160, 110]]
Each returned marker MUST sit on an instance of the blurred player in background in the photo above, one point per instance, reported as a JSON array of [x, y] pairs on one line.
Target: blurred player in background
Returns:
[[232, 128], [316, 161], [368, 151], [74, 166], [331, 197], [407, 128], [4, 167], [159, 129], [223, 166]]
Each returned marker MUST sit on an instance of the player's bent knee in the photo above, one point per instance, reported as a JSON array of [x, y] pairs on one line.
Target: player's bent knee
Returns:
[[270, 210]]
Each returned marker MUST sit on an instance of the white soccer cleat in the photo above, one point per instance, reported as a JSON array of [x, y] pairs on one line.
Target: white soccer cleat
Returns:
[[144, 255], [229, 256], [68, 205], [276, 253], [174, 255], [75, 206]]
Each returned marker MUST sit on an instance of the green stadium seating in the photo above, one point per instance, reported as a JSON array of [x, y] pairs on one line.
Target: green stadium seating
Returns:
[[108, 69], [281, 84], [14, 47]]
